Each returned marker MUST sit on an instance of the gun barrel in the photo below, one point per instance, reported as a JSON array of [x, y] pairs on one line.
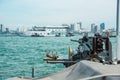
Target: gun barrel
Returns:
[[74, 40], [79, 41]]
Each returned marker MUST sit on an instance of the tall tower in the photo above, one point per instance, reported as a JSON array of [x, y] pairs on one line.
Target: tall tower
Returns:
[[102, 26], [79, 24], [72, 27], [1, 28], [94, 28]]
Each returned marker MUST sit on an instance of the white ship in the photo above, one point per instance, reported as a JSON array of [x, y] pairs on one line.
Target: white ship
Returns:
[[48, 31]]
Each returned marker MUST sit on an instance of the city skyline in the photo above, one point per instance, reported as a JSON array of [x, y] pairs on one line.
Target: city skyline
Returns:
[[28, 13]]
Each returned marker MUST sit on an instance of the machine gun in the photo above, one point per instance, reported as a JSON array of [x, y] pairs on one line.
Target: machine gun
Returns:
[[97, 48]]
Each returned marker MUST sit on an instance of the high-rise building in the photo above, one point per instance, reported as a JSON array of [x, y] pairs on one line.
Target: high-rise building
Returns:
[[72, 27], [7, 30], [79, 24], [102, 26], [18, 30], [1, 28], [77, 27], [94, 28]]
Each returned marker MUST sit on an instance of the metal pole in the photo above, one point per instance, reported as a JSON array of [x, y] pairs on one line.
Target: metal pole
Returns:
[[117, 19], [117, 34], [33, 73]]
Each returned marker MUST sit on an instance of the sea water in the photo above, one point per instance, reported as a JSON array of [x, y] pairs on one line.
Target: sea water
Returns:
[[18, 55]]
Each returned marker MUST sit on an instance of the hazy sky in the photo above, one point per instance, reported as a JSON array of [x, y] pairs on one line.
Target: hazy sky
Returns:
[[14, 13]]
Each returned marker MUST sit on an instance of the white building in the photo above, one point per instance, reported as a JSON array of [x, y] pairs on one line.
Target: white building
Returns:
[[2, 28]]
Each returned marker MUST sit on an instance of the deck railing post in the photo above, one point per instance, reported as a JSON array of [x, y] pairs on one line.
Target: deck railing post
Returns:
[[33, 73]]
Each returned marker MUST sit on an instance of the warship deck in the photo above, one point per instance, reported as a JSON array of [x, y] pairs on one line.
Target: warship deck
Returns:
[[84, 70]]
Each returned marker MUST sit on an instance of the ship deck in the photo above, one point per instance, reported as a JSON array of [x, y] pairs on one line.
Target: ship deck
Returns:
[[83, 70]]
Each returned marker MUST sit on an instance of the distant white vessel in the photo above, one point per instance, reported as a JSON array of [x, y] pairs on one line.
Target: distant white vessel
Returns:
[[48, 31]]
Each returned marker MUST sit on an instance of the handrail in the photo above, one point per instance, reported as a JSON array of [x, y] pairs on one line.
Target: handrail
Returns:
[[33, 71], [102, 75], [26, 70]]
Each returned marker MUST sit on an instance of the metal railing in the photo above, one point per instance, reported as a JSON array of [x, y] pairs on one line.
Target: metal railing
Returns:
[[31, 73], [103, 76], [33, 76]]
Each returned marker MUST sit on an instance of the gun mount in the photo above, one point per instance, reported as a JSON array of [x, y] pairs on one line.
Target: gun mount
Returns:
[[97, 48]]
